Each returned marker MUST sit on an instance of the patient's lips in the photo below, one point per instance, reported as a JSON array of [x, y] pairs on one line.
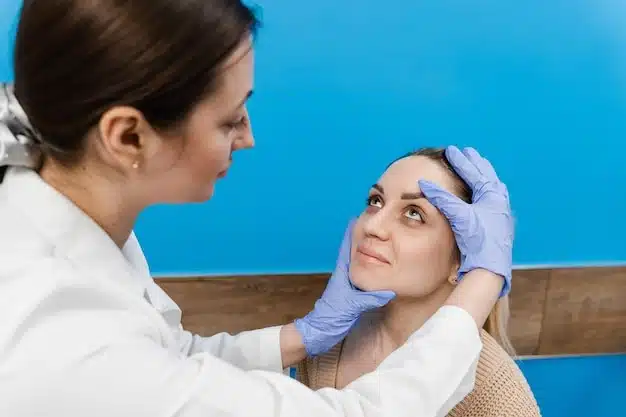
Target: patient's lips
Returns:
[[370, 255]]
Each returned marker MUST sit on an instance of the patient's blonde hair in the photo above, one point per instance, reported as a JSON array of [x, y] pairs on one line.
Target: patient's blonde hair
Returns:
[[497, 325], [497, 322]]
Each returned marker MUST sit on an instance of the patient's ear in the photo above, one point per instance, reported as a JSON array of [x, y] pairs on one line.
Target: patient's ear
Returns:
[[453, 278]]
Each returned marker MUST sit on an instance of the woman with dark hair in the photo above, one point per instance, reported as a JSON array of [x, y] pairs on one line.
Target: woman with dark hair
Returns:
[[118, 105]]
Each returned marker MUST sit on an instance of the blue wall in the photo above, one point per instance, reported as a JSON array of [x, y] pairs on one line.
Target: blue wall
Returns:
[[591, 386], [343, 87]]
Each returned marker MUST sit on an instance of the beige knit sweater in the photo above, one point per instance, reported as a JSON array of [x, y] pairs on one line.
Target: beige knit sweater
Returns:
[[500, 391]]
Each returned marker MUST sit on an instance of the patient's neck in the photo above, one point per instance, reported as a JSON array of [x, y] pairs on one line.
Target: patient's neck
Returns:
[[382, 331], [404, 315], [387, 328]]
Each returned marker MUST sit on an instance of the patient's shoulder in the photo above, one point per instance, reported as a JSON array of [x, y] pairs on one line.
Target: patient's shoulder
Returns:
[[493, 356], [501, 388]]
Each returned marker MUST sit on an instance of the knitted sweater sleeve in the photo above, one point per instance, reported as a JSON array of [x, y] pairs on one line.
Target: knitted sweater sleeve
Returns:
[[501, 389]]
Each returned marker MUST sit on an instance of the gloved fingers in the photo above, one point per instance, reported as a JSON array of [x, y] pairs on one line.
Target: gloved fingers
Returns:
[[465, 168], [373, 299], [482, 163], [447, 203]]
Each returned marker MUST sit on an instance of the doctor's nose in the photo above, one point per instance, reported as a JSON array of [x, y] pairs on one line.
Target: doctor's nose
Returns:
[[246, 139]]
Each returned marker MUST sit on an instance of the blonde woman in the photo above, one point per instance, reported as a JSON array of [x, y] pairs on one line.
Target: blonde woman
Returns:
[[403, 243]]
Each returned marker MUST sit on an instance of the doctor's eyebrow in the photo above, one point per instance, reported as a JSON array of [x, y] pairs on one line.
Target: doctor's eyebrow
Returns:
[[242, 102], [404, 196]]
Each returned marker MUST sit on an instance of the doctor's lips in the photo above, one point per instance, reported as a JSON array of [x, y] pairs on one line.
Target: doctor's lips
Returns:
[[371, 254], [223, 173]]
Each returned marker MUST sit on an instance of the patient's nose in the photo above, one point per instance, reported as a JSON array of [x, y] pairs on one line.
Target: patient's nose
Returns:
[[377, 225]]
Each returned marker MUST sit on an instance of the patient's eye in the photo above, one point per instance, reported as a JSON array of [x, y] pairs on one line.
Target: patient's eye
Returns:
[[374, 201], [413, 213]]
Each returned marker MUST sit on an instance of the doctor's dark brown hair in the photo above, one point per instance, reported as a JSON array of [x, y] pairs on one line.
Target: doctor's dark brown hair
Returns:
[[75, 59]]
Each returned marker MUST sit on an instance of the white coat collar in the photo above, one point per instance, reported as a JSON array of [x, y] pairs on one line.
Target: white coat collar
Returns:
[[72, 234]]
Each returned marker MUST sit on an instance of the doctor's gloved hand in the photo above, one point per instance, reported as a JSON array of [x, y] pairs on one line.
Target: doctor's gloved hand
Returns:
[[339, 307], [483, 229]]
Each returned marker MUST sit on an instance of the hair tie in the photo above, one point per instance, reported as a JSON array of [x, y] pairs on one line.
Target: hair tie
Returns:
[[19, 141]]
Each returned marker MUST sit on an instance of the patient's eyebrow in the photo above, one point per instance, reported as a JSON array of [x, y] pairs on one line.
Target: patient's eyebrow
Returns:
[[404, 196], [411, 196]]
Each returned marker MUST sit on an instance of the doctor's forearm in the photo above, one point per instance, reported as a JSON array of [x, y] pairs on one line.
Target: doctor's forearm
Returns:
[[477, 293], [292, 348]]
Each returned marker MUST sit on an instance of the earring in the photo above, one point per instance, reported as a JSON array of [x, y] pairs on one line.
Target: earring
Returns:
[[453, 279], [135, 164]]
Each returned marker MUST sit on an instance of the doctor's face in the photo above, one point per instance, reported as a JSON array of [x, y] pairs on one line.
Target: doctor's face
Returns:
[[401, 242], [202, 152]]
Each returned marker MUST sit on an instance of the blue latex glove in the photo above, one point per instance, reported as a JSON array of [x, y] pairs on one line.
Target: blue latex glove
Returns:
[[339, 307], [483, 229]]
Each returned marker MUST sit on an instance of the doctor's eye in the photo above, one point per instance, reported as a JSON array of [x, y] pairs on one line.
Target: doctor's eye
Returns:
[[237, 123], [374, 201], [413, 213]]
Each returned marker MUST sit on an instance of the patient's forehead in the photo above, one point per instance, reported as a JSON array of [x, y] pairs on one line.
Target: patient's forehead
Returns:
[[402, 176]]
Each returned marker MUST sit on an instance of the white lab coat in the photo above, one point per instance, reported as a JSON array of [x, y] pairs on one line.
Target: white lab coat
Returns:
[[85, 331]]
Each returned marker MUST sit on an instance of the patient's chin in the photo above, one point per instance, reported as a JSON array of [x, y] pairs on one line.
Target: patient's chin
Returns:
[[368, 281]]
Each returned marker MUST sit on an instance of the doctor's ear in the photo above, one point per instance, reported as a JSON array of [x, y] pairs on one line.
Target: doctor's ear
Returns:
[[127, 138]]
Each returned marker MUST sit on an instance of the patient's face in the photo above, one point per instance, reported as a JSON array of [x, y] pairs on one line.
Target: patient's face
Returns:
[[401, 242]]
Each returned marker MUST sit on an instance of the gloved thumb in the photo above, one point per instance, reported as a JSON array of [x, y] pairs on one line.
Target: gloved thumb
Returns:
[[450, 205], [346, 244]]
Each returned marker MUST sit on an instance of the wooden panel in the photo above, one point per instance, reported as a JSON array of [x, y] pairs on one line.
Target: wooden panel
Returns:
[[568, 311], [527, 301], [234, 304], [585, 312]]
